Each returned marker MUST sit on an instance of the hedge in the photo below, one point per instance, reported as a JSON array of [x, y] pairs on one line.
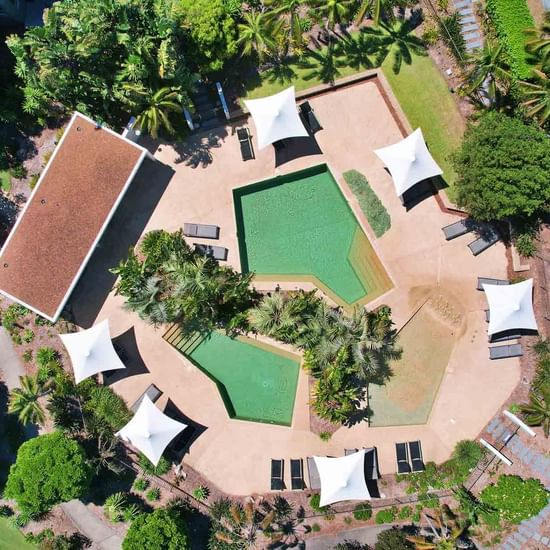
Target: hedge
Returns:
[[511, 18], [370, 204]]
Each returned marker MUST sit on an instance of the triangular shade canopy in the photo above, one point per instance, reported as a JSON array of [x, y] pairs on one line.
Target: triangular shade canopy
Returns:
[[150, 430], [91, 351], [276, 117], [342, 478], [409, 161], [510, 306]]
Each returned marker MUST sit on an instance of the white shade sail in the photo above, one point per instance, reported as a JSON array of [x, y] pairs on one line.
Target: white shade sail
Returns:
[[91, 351], [276, 117], [409, 161], [510, 306], [342, 478], [150, 430]]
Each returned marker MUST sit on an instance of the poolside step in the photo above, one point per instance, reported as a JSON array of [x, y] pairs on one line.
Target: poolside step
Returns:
[[185, 343]]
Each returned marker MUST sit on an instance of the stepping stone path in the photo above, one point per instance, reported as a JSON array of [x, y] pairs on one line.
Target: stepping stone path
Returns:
[[529, 530], [469, 25]]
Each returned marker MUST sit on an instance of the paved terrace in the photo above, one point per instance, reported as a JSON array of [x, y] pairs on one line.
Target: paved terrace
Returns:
[[235, 454]]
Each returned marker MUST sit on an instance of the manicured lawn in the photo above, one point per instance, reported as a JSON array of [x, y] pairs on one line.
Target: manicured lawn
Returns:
[[11, 538], [424, 96], [5, 183]]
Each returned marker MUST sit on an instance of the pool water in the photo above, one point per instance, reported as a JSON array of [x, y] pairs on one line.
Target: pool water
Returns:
[[299, 227], [257, 382]]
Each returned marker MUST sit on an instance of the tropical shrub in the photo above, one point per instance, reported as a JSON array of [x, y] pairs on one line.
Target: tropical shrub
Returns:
[[148, 467], [386, 516], [201, 492], [511, 18], [140, 484], [37, 487], [503, 168], [363, 511], [153, 494], [393, 539], [370, 204], [48, 540], [114, 506], [450, 31], [525, 245], [515, 499], [163, 528]]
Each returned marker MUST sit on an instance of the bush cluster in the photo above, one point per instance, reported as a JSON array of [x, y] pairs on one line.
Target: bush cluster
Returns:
[[370, 204], [388, 515], [451, 33], [511, 18]]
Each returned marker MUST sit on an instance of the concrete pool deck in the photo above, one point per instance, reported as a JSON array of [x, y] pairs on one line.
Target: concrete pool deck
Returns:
[[233, 454]]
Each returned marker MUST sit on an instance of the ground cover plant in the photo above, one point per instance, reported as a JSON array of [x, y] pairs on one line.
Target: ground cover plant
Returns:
[[370, 204], [511, 19]]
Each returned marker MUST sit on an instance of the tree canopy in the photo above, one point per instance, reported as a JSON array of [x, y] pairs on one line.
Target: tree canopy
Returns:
[[503, 169], [101, 57], [163, 528], [49, 469]]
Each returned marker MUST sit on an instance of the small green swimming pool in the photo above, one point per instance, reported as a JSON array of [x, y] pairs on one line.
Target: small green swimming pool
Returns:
[[257, 382], [300, 227]]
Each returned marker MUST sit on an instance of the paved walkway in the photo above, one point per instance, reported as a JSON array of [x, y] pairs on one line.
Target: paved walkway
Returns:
[[365, 535], [101, 535], [528, 532], [470, 27], [10, 364]]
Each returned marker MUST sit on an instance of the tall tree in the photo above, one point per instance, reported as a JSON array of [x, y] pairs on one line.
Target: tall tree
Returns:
[[538, 40], [24, 401], [334, 12], [537, 97], [258, 33], [289, 12], [537, 411], [156, 111]]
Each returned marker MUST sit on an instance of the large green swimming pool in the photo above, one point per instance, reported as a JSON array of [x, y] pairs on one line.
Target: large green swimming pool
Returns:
[[257, 382], [300, 227]]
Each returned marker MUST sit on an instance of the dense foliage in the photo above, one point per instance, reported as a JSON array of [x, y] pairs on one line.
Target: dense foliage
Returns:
[[162, 528], [393, 539], [511, 18], [49, 469], [515, 499], [370, 204], [503, 168], [106, 59], [167, 281]]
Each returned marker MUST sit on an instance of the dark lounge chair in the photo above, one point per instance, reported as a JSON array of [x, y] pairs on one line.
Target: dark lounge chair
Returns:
[[308, 116], [488, 281], [371, 462], [277, 474], [216, 252], [505, 336], [350, 451], [152, 392], [297, 474], [458, 229], [402, 457], [504, 352], [247, 152], [201, 230], [487, 315], [415, 450], [313, 474], [484, 242], [279, 145]]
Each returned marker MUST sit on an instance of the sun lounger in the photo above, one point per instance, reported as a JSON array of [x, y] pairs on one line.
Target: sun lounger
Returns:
[[350, 451], [505, 336], [415, 451], [372, 471], [484, 242], [201, 230], [487, 315], [152, 392], [313, 474], [504, 352], [247, 152], [279, 145], [277, 474], [402, 457], [297, 474], [216, 252], [488, 281], [308, 115], [458, 229]]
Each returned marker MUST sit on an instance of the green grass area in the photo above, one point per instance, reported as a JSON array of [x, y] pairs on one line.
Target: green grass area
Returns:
[[370, 204], [11, 538], [427, 103], [5, 180], [257, 382], [408, 397], [300, 227]]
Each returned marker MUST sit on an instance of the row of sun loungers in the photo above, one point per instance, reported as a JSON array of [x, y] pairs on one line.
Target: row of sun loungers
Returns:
[[409, 457], [296, 474], [488, 234], [504, 352]]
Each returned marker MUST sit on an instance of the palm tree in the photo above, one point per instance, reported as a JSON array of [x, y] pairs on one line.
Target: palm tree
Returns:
[[258, 33], [537, 411], [537, 97], [396, 39], [488, 68], [538, 42], [471, 506], [333, 11], [445, 532], [158, 106], [146, 302], [273, 316], [24, 400], [288, 13], [374, 6]]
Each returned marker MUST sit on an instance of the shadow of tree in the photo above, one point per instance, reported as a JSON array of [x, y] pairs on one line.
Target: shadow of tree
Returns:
[[196, 151], [321, 64]]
